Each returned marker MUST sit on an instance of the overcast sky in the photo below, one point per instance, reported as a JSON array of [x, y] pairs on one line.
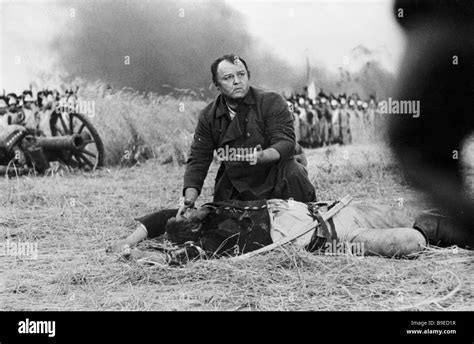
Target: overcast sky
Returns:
[[325, 31]]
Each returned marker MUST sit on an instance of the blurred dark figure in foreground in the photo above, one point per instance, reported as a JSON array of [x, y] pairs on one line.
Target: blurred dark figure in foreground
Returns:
[[438, 71]]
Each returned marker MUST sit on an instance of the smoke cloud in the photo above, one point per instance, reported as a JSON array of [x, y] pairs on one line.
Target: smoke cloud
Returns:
[[152, 46], [158, 46]]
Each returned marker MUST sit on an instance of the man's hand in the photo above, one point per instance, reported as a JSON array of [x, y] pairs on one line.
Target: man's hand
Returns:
[[190, 196], [259, 156], [267, 156]]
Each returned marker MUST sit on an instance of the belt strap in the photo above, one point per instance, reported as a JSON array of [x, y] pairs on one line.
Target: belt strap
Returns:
[[229, 205], [328, 233]]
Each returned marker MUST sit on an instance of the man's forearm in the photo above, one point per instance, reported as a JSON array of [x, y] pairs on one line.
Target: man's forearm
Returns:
[[195, 173], [200, 156], [285, 147]]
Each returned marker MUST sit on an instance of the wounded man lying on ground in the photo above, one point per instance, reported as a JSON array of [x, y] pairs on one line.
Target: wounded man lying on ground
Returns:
[[234, 227]]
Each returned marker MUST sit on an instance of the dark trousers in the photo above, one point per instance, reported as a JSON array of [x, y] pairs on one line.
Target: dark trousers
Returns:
[[155, 223]]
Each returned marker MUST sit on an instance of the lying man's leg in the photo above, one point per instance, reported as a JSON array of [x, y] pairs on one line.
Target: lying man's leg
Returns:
[[383, 230], [121, 246], [390, 242], [150, 226]]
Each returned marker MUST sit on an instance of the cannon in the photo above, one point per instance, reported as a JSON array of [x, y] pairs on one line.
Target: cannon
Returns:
[[70, 142], [71, 139]]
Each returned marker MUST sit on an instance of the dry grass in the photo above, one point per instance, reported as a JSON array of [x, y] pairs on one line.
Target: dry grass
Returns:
[[136, 126], [73, 217]]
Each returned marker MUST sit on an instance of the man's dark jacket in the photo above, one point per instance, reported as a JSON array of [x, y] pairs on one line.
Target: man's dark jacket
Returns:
[[262, 118]]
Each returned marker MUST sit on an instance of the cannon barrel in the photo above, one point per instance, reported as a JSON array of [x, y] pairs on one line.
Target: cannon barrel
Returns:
[[55, 143]]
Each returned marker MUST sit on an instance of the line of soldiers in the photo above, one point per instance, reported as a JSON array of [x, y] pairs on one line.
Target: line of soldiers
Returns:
[[327, 119], [32, 112], [27, 113]]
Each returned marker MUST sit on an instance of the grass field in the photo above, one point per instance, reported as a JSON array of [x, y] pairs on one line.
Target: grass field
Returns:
[[73, 216]]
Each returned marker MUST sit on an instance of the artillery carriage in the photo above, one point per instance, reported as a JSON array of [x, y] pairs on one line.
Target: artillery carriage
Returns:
[[36, 132]]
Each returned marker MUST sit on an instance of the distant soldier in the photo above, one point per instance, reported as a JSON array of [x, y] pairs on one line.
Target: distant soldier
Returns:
[[372, 109], [45, 101], [314, 125], [356, 104], [3, 106], [13, 113], [346, 135], [335, 127], [354, 115], [13, 102], [367, 114], [360, 113], [31, 111], [299, 153], [324, 117]]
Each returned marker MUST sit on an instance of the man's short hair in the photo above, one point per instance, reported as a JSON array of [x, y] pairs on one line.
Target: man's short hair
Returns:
[[230, 58]]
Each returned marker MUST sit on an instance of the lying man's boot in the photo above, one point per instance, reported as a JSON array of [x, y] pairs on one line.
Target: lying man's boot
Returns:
[[390, 242], [442, 230]]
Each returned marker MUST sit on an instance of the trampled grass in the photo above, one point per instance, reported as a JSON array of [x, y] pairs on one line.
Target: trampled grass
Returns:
[[72, 217]]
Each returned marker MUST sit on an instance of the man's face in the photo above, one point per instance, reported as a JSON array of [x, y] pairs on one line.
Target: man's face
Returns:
[[193, 214], [186, 227], [232, 79]]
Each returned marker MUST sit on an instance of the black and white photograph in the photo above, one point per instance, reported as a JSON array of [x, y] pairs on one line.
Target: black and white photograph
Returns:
[[237, 156]]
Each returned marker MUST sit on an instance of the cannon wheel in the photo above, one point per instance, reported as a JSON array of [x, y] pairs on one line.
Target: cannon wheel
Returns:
[[93, 154]]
